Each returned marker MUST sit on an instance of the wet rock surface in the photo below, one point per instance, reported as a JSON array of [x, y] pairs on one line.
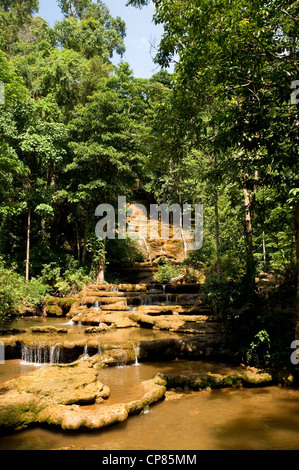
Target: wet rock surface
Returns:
[[55, 394]]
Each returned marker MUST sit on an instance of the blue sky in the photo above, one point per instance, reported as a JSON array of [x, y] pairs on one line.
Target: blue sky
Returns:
[[141, 32]]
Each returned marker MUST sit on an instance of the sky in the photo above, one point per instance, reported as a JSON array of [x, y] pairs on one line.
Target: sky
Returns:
[[142, 34]]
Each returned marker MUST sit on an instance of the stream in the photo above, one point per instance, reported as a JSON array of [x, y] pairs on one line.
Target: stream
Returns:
[[230, 419]]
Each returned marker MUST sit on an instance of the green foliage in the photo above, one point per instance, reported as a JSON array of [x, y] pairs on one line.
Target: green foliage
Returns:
[[166, 272], [258, 332], [258, 353], [89, 29], [124, 252], [65, 281], [15, 293]]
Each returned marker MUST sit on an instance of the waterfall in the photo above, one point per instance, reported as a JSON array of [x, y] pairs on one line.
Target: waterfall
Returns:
[[136, 352], [100, 351], [147, 301], [96, 305], [55, 353], [164, 289], [114, 289], [40, 355], [146, 246], [85, 352]]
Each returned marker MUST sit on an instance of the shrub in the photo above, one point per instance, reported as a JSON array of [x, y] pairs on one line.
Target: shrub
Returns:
[[65, 282], [124, 251], [166, 272], [16, 293]]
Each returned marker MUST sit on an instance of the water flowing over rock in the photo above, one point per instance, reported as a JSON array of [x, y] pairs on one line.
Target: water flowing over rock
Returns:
[[40, 354]]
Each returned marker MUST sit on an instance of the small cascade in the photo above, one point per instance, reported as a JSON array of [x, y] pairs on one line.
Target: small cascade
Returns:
[[146, 246], [85, 352], [40, 355], [100, 351], [96, 305], [136, 352], [55, 354], [164, 289], [114, 289], [134, 309], [148, 301]]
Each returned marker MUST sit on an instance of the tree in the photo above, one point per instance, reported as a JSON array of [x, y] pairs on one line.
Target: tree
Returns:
[[14, 16], [90, 29]]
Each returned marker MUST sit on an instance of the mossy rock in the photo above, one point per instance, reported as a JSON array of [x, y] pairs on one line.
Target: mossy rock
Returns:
[[48, 329], [66, 302], [54, 310]]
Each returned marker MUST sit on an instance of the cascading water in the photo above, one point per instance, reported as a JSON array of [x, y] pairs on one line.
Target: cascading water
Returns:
[[114, 289], [96, 305], [41, 355], [136, 352], [147, 301], [143, 239], [85, 352], [55, 354]]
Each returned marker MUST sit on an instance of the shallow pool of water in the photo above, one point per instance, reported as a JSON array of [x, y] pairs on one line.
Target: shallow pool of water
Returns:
[[76, 332], [231, 419]]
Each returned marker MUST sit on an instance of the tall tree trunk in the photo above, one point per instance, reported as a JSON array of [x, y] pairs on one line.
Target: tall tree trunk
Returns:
[[264, 252], [28, 241], [101, 271], [216, 212], [84, 252], [250, 269], [78, 244], [217, 235]]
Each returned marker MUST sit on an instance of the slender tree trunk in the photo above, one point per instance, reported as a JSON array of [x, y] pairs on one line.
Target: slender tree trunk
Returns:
[[78, 244], [101, 266], [84, 253], [264, 252], [250, 270], [216, 212], [101, 272], [217, 235], [28, 241]]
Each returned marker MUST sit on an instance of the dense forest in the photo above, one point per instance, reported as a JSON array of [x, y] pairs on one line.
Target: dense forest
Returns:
[[222, 130]]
